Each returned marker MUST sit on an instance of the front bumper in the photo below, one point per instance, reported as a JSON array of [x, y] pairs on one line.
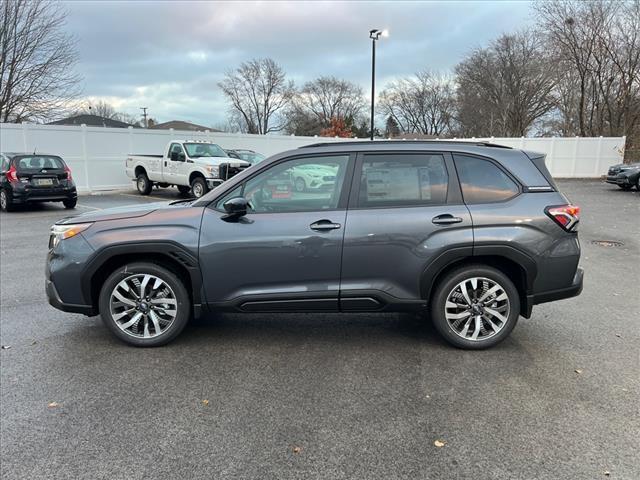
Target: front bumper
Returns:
[[213, 183], [618, 180], [56, 302]]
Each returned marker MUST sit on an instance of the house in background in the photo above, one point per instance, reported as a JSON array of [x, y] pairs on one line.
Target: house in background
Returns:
[[181, 125], [92, 121]]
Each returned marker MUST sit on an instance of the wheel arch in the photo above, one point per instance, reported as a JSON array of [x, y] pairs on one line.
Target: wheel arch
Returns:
[[170, 255], [196, 173], [139, 170], [519, 267]]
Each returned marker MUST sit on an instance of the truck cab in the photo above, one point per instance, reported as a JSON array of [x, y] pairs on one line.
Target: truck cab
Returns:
[[195, 166]]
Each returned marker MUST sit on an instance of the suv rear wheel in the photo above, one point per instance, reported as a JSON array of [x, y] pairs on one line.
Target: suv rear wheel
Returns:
[[144, 304], [475, 307]]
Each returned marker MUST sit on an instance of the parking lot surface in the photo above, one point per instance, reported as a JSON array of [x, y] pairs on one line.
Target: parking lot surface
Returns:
[[325, 396]]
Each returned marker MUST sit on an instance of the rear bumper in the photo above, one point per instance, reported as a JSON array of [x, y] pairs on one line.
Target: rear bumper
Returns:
[[552, 295], [32, 195]]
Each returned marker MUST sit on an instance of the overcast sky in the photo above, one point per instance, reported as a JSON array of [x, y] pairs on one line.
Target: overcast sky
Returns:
[[169, 56]]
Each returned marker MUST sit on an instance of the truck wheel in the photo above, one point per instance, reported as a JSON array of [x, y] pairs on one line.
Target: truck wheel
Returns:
[[144, 304], [143, 184], [184, 189], [198, 187], [475, 307]]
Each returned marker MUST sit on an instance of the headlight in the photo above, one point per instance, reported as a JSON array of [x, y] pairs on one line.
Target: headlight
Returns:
[[62, 232], [213, 171]]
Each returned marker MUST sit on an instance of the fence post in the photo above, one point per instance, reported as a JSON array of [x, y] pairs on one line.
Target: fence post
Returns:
[[552, 150], [599, 157], [85, 156], [574, 157], [25, 127]]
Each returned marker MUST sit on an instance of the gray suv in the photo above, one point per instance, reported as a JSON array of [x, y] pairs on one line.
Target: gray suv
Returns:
[[472, 235]]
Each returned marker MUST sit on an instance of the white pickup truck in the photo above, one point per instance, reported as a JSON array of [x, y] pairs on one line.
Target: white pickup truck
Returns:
[[190, 165]]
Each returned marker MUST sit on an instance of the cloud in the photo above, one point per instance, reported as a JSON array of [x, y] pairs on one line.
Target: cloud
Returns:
[[169, 56]]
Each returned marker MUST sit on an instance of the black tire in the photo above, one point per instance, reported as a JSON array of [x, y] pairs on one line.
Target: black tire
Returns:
[[625, 187], [638, 183], [6, 201], [198, 187], [301, 185], [183, 303], [143, 184], [184, 190], [449, 283], [70, 203]]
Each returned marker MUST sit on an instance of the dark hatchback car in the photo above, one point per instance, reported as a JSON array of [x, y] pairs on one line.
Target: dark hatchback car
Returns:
[[34, 178], [247, 155], [470, 234], [625, 175]]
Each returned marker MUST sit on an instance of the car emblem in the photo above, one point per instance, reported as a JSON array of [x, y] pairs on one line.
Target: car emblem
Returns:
[[44, 171]]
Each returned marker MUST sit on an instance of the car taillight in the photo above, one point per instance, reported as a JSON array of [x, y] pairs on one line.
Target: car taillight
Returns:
[[12, 174], [567, 216], [68, 170]]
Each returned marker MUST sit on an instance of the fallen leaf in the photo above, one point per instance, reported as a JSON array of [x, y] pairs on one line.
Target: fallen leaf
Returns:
[[34, 342], [205, 402], [297, 449], [428, 396], [6, 347], [618, 335], [578, 371], [439, 443], [53, 404], [607, 473]]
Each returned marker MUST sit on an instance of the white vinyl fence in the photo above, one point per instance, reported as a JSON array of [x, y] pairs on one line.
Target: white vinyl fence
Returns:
[[96, 155]]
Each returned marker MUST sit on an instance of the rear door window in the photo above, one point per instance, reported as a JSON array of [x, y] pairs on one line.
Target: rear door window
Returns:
[[39, 163], [402, 179], [482, 181]]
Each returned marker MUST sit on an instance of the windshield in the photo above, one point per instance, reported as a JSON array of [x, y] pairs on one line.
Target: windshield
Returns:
[[197, 150], [38, 163], [251, 157]]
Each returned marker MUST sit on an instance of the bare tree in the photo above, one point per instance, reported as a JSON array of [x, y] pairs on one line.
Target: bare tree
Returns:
[[423, 103], [505, 88], [258, 92], [328, 98], [100, 108], [36, 60]]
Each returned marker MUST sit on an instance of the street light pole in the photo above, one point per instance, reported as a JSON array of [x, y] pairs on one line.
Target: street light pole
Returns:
[[374, 35]]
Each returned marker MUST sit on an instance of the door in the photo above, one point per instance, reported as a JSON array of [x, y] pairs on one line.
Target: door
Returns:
[[285, 254], [405, 212], [173, 165]]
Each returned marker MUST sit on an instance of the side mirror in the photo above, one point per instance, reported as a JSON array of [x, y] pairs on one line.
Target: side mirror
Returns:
[[181, 157], [174, 156], [235, 207]]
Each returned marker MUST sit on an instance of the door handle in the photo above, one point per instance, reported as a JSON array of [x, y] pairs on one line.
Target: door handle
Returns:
[[322, 225], [445, 219], [165, 163]]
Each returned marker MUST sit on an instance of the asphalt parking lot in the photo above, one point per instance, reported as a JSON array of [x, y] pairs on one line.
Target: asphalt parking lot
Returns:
[[325, 396]]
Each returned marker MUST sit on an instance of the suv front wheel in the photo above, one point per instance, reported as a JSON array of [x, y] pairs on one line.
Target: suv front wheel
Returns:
[[475, 307], [144, 304]]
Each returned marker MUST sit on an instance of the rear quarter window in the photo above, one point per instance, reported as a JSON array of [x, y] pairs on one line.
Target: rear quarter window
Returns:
[[482, 181]]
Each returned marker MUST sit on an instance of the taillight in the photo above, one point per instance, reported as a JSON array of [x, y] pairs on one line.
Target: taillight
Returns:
[[68, 171], [567, 216], [12, 174]]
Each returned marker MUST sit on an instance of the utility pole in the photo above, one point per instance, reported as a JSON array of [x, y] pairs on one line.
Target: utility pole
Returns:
[[144, 115]]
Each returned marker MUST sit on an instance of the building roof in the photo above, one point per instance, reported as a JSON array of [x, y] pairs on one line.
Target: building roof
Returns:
[[182, 125], [91, 121]]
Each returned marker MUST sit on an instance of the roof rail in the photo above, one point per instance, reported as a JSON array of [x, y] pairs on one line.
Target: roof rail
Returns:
[[399, 142]]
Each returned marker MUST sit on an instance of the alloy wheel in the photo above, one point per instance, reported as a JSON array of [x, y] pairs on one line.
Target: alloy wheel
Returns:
[[143, 305], [477, 308]]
